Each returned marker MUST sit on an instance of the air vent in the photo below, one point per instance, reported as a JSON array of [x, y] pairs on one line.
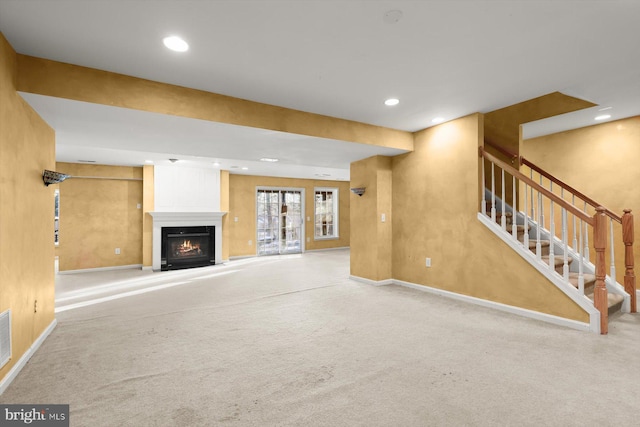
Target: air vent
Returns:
[[5, 337]]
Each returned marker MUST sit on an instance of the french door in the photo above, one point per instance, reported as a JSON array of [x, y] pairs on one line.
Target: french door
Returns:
[[280, 214]]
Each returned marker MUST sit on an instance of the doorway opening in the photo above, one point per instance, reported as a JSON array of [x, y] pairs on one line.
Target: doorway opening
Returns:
[[280, 214]]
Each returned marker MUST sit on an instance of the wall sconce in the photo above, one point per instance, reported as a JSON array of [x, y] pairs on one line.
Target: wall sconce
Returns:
[[51, 177], [359, 190]]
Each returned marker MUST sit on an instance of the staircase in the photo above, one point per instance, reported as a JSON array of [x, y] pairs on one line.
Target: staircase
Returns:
[[551, 229], [614, 302]]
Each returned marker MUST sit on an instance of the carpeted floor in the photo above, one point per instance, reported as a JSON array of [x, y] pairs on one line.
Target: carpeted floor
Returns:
[[290, 341]]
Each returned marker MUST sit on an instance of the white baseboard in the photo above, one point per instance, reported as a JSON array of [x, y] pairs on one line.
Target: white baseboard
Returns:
[[13, 373], [117, 267], [328, 249], [147, 268], [232, 258], [561, 321], [372, 282]]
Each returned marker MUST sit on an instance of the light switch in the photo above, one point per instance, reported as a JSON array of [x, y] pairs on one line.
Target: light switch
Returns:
[[235, 219], [383, 217]]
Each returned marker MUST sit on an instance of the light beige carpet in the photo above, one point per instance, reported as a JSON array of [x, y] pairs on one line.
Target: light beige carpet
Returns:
[[290, 341]]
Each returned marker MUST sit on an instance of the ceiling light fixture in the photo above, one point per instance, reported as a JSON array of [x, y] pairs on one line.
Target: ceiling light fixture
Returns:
[[268, 159], [176, 44], [245, 168], [216, 164], [437, 120], [605, 108], [391, 102], [149, 161], [603, 117]]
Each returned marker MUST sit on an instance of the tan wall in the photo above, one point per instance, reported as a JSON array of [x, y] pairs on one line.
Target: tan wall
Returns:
[[435, 200], [502, 127], [27, 147], [224, 207], [45, 77], [242, 204], [371, 239], [99, 215], [601, 161]]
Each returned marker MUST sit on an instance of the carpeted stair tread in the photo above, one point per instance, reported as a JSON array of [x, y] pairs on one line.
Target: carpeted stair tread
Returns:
[[614, 301], [532, 243], [558, 260], [589, 281]]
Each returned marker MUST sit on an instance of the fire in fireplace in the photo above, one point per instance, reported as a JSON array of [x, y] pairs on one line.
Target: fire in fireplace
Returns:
[[187, 247]]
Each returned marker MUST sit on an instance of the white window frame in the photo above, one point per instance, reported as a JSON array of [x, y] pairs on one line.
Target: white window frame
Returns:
[[335, 213]]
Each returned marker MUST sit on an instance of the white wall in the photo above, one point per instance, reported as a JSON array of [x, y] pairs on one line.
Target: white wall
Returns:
[[186, 189]]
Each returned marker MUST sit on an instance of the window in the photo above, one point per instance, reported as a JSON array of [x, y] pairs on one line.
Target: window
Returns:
[[56, 217], [326, 213]]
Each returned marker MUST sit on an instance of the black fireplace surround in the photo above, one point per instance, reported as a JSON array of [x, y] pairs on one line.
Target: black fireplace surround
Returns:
[[187, 247]]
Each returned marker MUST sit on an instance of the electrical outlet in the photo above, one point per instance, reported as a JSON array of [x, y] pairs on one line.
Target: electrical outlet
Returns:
[[308, 218], [308, 239], [428, 262], [250, 242], [383, 217], [139, 206], [117, 251], [235, 219]]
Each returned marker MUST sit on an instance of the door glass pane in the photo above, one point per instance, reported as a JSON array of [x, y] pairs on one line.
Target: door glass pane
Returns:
[[279, 227]]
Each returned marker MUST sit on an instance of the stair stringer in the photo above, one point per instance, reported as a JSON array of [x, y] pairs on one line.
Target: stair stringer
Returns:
[[588, 267], [580, 299]]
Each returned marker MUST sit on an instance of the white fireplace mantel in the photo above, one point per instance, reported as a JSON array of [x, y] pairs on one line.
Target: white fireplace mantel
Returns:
[[185, 219]]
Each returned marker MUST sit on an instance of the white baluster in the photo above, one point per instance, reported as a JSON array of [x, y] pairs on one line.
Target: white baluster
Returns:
[[493, 192], [503, 218], [514, 212], [526, 220], [581, 264], [565, 237], [573, 220], [541, 210], [586, 237], [532, 205], [613, 256], [484, 201], [538, 244], [552, 233]]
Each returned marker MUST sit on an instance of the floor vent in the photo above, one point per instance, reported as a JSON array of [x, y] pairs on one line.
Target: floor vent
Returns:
[[5, 337]]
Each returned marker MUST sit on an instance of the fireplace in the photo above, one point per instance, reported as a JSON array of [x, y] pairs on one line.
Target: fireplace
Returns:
[[187, 223], [187, 247]]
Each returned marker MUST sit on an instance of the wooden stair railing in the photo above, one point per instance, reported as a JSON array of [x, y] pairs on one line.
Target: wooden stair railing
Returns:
[[626, 220], [597, 221]]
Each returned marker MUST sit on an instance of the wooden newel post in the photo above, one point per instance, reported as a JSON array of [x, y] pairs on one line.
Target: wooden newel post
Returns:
[[629, 275], [600, 298]]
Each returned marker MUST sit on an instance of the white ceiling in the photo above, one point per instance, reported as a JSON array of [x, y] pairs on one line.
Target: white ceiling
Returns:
[[338, 58]]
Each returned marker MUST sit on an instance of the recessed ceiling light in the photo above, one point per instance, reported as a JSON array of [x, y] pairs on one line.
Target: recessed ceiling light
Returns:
[[603, 117], [149, 161], [391, 102], [268, 159], [175, 43], [437, 120], [216, 164], [244, 168]]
